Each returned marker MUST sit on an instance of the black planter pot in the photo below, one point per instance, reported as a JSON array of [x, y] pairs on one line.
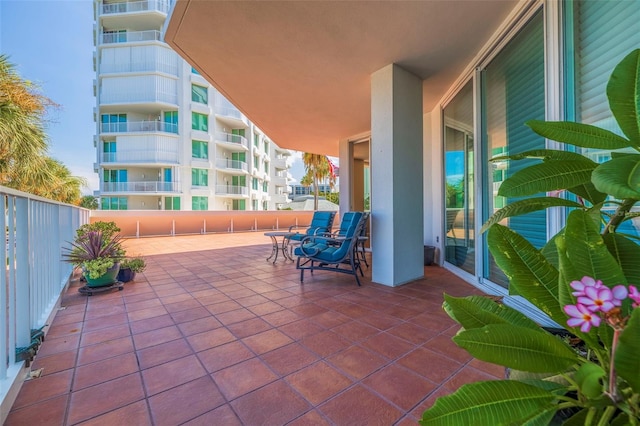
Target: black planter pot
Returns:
[[125, 275]]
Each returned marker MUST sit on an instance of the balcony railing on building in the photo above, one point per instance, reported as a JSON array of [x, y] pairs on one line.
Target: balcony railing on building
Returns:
[[136, 6], [225, 163], [140, 156], [140, 66], [232, 190], [141, 95], [230, 138], [139, 126], [231, 112], [153, 186], [279, 163], [130, 36]]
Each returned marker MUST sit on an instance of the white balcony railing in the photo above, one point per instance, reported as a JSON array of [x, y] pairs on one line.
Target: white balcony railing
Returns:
[[136, 6], [279, 163], [228, 137], [130, 36], [229, 112], [153, 186], [35, 231], [139, 126], [140, 95], [140, 66], [140, 156], [279, 181], [232, 190], [224, 163]]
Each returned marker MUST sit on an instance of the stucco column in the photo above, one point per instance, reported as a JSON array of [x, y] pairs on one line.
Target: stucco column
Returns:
[[396, 176]]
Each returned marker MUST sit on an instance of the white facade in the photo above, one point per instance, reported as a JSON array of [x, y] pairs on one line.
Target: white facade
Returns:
[[165, 138]]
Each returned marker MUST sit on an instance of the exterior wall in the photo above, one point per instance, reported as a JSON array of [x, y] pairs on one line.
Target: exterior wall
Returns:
[[149, 162]]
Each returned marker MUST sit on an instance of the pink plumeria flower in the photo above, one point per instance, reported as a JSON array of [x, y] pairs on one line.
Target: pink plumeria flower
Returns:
[[581, 316], [619, 294], [585, 282], [597, 299], [634, 295]]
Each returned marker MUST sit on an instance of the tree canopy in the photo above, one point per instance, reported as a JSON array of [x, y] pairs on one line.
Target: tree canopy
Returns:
[[318, 169]]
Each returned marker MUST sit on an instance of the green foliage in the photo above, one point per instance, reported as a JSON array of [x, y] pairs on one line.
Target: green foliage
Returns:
[[601, 380], [136, 264], [108, 229], [97, 247], [89, 202]]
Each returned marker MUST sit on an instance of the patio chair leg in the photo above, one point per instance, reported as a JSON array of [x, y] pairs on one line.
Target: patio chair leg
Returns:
[[355, 273]]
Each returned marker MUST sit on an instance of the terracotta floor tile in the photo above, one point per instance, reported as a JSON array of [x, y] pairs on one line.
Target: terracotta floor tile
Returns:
[[60, 344], [219, 308], [300, 329], [132, 414], [325, 343], [185, 402], [190, 315], [358, 406], [265, 308], [173, 373], [104, 350], [55, 363], [357, 361], [428, 402], [105, 370], [432, 321], [156, 337], [111, 333], [310, 418], [390, 346], [223, 415], [232, 317], [243, 378], [308, 310], [154, 312], [210, 339], [252, 300], [63, 330], [267, 341], [156, 355], [224, 356], [381, 321], [355, 331], [445, 346], [249, 327], [49, 412], [466, 375], [431, 365], [281, 317], [146, 304], [151, 324], [42, 388], [493, 369], [199, 325], [104, 322], [318, 382], [182, 306], [104, 311], [330, 319], [290, 358], [274, 404], [399, 385], [412, 333], [103, 398]]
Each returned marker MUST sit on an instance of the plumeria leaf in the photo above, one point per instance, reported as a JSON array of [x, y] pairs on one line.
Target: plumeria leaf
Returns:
[[529, 273], [627, 253], [578, 419], [627, 361], [589, 379], [517, 347], [543, 154], [578, 134], [623, 91], [492, 402], [478, 311], [619, 177], [588, 192], [528, 205], [587, 252], [549, 176]]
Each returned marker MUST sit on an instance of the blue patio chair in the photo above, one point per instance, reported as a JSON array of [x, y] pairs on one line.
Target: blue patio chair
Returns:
[[321, 223], [333, 252]]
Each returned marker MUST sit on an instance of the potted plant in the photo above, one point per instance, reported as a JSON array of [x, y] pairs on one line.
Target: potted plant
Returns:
[[583, 279], [98, 255], [129, 267]]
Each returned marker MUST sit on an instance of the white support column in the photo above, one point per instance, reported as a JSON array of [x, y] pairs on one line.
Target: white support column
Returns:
[[396, 180]]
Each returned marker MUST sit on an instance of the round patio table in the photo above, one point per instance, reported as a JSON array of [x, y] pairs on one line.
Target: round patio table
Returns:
[[279, 246]]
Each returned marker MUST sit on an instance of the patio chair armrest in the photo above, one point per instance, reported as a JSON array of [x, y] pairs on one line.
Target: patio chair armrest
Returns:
[[292, 227], [308, 251]]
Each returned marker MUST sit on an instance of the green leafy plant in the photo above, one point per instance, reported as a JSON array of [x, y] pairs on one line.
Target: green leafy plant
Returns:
[[94, 252], [136, 264], [108, 229], [582, 279]]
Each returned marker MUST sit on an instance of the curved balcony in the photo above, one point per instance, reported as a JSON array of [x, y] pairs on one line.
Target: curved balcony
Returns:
[[140, 156], [230, 114], [139, 127], [234, 141], [232, 166], [135, 6], [140, 66], [241, 191], [279, 163], [130, 37], [147, 187], [279, 181]]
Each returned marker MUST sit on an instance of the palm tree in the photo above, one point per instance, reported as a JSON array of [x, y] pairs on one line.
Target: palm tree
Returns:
[[318, 169]]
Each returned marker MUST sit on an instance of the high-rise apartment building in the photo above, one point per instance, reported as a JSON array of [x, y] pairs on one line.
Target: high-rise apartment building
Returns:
[[165, 138]]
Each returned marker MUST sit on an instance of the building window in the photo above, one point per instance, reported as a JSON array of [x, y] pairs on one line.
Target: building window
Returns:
[[199, 177], [199, 203], [172, 203], [239, 205], [171, 121], [113, 203], [199, 94], [265, 205], [265, 186], [239, 181], [266, 147], [113, 123], [194, 71], [256, 162], [199, 149], [254, 184], [266, 167], [109, 152], [199, 122], [256, 141], [254, 205]]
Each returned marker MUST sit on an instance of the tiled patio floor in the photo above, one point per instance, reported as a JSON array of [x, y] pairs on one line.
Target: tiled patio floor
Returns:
[[212, 334]]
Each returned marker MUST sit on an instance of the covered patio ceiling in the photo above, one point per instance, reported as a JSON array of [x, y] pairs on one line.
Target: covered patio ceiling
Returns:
[[301, 70]]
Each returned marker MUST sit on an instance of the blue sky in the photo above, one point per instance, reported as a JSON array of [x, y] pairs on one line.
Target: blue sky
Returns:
[[51, 44]]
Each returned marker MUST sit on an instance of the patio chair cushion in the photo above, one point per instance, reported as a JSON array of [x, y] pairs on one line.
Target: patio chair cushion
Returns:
[[320, 224]]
